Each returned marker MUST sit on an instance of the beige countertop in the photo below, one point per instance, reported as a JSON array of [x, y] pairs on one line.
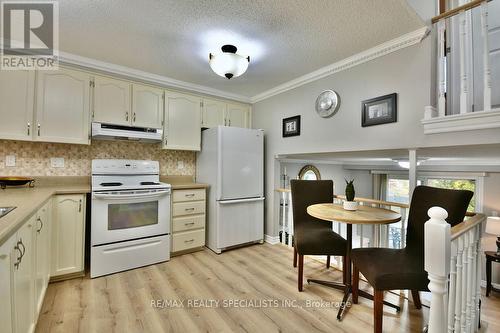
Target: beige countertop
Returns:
[[28, 201], [182, 182]]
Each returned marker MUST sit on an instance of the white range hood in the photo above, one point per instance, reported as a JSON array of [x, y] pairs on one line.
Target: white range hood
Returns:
[[115, 132]]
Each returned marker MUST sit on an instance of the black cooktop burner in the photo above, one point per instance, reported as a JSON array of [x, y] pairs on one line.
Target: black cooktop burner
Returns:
[[111, 184], [150, 183]]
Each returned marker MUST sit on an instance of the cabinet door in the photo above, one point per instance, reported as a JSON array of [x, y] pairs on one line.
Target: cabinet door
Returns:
[[7, 259], [213, 113], [42, 254], [147, 106], [62, 107], [182, 122], [23, 279], [17, 92], [111, 101], [237, 116], [68, 234]]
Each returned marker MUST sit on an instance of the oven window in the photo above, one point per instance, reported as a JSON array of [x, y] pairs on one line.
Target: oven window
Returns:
[[132, 215]]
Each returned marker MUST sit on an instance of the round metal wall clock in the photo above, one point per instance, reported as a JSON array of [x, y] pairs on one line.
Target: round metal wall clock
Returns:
[[327, 103]]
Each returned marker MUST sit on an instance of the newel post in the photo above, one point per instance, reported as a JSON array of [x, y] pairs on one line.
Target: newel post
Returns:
[[437, 239]]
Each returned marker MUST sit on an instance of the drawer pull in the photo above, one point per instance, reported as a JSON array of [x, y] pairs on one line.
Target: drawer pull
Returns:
[[189, 195], [189, 241], [190, 223], [189, 209]]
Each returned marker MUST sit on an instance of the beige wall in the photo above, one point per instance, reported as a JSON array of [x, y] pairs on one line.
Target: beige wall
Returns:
[[33, 158]]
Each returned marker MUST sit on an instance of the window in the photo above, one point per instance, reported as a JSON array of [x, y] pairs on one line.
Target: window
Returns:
[[398, 187]]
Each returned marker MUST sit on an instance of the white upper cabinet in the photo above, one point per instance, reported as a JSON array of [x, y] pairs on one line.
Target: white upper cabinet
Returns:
[[182, 122], [112, 101], [17, 91], [62, 107], [213, 113], [237, 116], [147, 106]]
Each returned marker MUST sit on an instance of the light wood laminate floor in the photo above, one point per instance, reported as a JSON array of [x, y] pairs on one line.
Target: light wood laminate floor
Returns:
[[123, 302]]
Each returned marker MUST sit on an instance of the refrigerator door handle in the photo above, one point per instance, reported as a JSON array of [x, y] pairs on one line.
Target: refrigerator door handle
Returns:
[[224, 202]]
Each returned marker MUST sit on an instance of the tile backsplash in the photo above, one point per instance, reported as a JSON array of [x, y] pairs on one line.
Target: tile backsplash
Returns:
[[33, 158]]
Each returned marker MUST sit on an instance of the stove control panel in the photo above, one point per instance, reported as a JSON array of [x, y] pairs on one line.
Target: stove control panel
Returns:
[[117, 167]]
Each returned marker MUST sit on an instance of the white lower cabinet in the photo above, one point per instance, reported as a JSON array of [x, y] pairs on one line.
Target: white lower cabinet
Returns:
[[6, 264], [23, 279], [188, 219], [25, 260], [68, 233], [42, 261]]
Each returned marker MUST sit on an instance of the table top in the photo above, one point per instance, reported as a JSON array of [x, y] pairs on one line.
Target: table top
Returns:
[[363, 215], [492, 254]]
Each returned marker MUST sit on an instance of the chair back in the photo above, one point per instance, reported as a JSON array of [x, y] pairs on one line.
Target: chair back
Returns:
[[306, 193], [424, 197]]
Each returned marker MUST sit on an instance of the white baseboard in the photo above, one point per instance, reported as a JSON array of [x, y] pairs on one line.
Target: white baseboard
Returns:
[[272, 239], [495, 285]]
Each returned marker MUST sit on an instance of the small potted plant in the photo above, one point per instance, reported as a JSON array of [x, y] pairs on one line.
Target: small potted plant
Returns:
[[349, 203]]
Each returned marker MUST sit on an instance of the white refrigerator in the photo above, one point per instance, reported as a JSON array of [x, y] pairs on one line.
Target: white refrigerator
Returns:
[[231, 161]]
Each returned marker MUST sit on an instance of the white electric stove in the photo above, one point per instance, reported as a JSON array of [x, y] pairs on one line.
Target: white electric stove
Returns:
[[130, 216]]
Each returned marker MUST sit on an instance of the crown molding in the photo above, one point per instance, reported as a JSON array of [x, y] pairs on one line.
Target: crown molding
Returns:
[[124, 72], [134, 74], [383, 49]]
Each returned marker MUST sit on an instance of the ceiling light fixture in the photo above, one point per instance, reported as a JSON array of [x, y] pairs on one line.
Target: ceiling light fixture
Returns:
[[228, 64]]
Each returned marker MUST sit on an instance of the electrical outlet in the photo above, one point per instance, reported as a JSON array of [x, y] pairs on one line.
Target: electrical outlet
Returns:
[[57, 162], [180, 165], [10, 160]]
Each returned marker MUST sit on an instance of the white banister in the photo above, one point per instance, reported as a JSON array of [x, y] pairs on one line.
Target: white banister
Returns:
[[441, 68], [437, 264], [452, 260], [464, 79], [486, 58]]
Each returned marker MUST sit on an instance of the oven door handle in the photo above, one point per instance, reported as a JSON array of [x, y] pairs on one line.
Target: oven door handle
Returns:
[[130, 196]]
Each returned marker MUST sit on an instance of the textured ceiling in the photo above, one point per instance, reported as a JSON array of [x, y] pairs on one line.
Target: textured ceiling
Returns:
[[284, 38]]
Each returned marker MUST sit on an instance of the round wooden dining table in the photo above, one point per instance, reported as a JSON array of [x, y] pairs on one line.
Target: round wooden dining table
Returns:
[[363, 215]]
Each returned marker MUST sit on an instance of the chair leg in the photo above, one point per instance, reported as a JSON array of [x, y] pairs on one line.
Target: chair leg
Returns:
[[378, 310], [355, 285], [301, 271], [294, 257], [344, 271], [416, 299], [327, 261]]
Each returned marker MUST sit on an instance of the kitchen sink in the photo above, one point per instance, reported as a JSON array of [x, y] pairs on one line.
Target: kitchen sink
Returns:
[[5, 210]]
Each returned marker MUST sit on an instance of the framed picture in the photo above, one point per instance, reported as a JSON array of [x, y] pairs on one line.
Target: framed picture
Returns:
[[380, 110], [291, 126]]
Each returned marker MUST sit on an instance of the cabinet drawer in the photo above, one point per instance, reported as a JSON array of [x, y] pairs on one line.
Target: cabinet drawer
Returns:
[[188, 195], [188, 208], [188, 240], [188, 223]]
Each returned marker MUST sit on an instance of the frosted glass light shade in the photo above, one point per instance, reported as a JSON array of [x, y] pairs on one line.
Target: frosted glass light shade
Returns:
[[228, 64], [493, 225]]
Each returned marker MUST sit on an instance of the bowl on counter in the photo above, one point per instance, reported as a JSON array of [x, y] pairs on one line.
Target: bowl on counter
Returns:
[[16, 181]]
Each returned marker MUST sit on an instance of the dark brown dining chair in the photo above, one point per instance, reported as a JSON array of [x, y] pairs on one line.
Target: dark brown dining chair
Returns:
[[311, 235], [403, 269]]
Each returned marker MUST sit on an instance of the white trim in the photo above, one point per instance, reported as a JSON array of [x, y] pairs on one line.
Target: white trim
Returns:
[[383, 49], [134, 74], [272, 239], [462, 122]]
